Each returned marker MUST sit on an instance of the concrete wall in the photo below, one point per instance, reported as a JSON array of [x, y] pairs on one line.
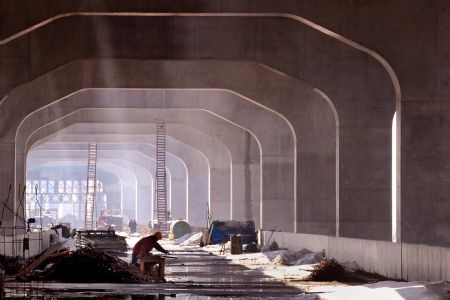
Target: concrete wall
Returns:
[[394, 260]]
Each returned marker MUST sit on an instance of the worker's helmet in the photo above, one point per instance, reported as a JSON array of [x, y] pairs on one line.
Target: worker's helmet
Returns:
[[158, 235]]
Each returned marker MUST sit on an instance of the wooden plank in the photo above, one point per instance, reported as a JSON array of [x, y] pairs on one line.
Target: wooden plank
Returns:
[[35, 263]]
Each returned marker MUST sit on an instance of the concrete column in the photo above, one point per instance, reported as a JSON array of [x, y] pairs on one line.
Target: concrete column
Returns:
[[7, 159]]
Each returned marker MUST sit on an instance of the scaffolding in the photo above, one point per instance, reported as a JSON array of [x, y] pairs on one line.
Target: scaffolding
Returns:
[[20, 239]]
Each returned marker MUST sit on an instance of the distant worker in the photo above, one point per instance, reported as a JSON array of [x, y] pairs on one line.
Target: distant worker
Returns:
[[132, 225], [145, 245]]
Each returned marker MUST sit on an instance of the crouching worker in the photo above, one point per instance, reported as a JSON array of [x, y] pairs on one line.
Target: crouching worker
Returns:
[[145, 245]]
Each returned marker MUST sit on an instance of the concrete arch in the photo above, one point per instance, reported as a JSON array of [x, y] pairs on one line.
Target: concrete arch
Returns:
[[309, 132], [270, 144], [198, 176], [216, 152], [138, 202], [129, 184], [178, 169], [196, 163], [244, 207], [179, 187], [131, 159], [127, 178], [390, 71], [219, 160]]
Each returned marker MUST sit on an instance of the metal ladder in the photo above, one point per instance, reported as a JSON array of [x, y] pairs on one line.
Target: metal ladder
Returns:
[[91, 187], [161, 193]]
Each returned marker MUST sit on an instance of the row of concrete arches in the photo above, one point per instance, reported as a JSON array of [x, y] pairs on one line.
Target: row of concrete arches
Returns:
[[206, 110], [300, 140]]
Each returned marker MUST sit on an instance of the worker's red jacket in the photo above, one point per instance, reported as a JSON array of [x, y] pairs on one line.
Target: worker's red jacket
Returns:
[[145, 245]]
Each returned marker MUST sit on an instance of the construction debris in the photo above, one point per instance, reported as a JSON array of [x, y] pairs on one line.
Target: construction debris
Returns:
[[251, 248], [328, 270], [183, 239], [310, 258], [194, 240], [40, 259], [270, 247], [106, 240], [331, 270], [289, 258], [10, 264], [90, 265]]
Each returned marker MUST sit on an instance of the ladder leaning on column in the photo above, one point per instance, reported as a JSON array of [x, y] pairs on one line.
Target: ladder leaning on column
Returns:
[[161, 191], [91, 187]]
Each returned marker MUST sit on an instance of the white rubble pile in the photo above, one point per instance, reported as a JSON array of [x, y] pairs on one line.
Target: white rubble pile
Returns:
[[256, 258], [280, 257], [213, 248], [218, 249], [183, 238], [302, 257], [288, 272], [310, 258], [228, 246], [194, 240]]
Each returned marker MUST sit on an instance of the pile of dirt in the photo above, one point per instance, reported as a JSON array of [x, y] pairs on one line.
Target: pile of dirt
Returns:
[[90, 265]]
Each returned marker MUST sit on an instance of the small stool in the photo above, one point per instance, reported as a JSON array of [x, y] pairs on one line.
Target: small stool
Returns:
[[148, 264]]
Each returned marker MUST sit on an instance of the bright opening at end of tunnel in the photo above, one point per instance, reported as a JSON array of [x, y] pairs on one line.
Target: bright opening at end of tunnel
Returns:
[[394, 178]]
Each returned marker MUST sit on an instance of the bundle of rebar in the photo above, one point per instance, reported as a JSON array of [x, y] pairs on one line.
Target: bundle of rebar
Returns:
[[331, 270], [328, 270], [92, 265], [111, 243], [10, 264]]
